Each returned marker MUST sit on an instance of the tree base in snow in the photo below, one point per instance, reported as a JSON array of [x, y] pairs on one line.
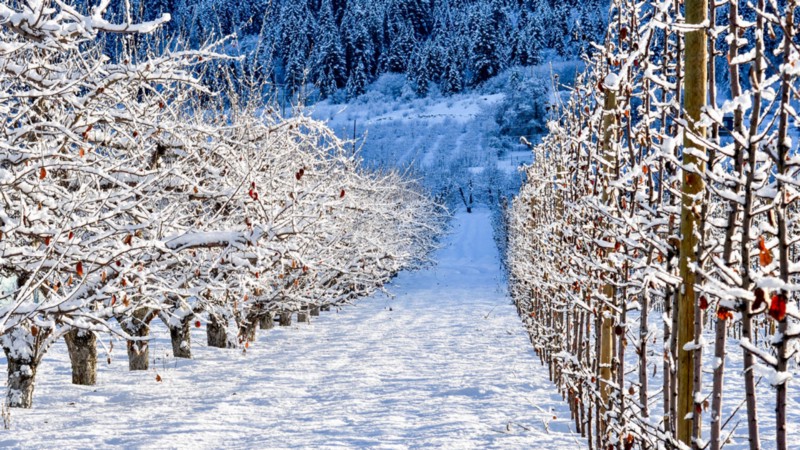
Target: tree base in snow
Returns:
[[21, 381], [181, 339], [82, 348], [267, 321], [138, 355], [217, 334]]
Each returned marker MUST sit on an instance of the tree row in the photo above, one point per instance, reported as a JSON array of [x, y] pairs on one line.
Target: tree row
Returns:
[[130, 192], [654, 247]]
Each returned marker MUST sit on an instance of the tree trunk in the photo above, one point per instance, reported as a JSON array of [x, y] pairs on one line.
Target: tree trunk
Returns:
[[21, 381], [695, 92], [721, 330], [82, 348], [285, 319], [139, 352], [267, 321], [302, 317], [314, 310], [178, 315], [747, 235], [783, 350], [23, 348], [138, 325], [247, 329], [606, 351], [643, 334], [217, 333], [181, 337], [667, 363]]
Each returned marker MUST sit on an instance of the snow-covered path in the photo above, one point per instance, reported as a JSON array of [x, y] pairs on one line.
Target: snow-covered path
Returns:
[[445, 363]]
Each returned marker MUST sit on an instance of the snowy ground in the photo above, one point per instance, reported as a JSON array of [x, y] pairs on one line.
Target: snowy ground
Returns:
[[445, 363]]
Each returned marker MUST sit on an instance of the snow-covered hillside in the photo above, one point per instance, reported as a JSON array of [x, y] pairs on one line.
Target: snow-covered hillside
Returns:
[[443, 364], [449, 142]]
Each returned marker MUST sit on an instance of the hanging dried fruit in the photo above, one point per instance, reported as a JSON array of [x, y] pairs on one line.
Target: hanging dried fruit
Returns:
[[777, 308], [761, 299], [764, 255], [724, 313]]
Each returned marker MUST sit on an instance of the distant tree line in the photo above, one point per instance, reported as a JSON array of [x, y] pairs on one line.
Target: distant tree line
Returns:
[[337, 45]]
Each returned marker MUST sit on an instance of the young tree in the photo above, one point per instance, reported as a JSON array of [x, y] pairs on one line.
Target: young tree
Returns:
[[694, 156]]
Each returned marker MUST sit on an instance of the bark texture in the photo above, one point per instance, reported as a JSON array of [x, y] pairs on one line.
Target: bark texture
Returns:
[[695, 95], [181, 337], [138, 326], [267, 321], [21, 381], [82, 348], [217, 333], [606, 350]]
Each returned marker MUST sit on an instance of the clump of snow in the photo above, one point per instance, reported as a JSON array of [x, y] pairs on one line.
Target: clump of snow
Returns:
[[611, 81]]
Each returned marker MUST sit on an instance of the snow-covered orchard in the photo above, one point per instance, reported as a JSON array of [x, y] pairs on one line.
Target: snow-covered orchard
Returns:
[[654, 248], [131, 192]]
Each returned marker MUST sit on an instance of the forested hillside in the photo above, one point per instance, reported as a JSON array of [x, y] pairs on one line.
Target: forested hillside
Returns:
[[329, 46]]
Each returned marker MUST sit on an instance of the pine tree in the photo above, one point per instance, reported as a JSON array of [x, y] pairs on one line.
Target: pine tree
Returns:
[[357, 83], [529, 40], [328, 58], [399, 43], [297, 31], [559, 22], [452, 79], [419, 73], [414, 12], [359, 48], [486, 46]]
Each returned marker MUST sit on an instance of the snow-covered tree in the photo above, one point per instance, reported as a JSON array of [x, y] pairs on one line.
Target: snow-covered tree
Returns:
[[489, 28], [81, 144], [127, 196], [297, 38], [328, 55], [641, 228]]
